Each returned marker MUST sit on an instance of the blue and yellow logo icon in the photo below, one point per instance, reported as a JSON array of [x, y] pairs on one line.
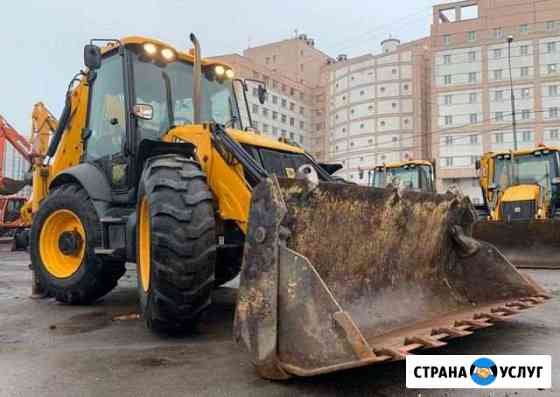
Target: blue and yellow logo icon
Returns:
[[483, 371]]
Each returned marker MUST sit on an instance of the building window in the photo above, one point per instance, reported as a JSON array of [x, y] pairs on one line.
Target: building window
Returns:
[[275, 99], [498, 33], [550, 47], [498, 74], [447, 59], [448, 120], [283, 118], [474, 118], [525, 93], [255, 91], [524, 71], [275, 116], [301, 139], [301, 110], [265, 112], [292, 121], [352, 111], [394, 105], [255, 109], [472, 56], [525, 114], [362, 93], [553, 134], [448, 161], [394, 71], [473, 139], [527, 136], [362, 126], [497, 53], [292, 106], [446, 39], [405, 87], [382, 89], [552, 68], [473, 97], [370, 141], [265, 127], [292, 135], [499, 137], [382, 123], [274, 131], [550, 26], [524, 28], [447, 79], [301, 96], [473, 77], [498, 96], [448, 99], [256, 125], [284, 103], [472, 36], [499, 116], [553, 113], [524, 50], [552, 90], [370, 107]]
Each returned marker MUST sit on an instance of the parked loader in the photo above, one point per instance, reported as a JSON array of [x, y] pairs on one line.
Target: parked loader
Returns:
[[521, 191], [150, 164], [413, 175]]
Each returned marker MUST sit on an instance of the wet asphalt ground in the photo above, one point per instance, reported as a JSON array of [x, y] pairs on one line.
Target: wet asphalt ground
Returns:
[[50, 349]]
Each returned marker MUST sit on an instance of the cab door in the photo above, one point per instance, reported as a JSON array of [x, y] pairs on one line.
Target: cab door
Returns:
[[107, 122]]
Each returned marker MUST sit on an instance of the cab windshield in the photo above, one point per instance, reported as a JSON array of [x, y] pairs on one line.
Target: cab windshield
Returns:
[[168, 88], [416, 177], [526, 170]]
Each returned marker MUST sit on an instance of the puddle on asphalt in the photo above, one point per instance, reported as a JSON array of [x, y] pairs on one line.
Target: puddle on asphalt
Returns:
[[82, 323]]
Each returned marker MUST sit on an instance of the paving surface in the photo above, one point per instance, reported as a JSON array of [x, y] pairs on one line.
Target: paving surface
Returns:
[[49, 349]]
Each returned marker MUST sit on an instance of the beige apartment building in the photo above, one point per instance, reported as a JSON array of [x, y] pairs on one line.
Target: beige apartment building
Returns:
[[471, 106], [375, 110], [294, 105]]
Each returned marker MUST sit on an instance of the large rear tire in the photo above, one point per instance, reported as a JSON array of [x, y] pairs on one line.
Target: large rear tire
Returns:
[[64, 234], [176, 250]]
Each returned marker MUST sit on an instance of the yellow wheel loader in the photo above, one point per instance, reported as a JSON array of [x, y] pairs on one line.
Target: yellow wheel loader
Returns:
[[521, 191], [417, 175], [150, 164]]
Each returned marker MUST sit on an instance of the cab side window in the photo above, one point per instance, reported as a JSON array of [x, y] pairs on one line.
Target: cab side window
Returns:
[[107, 110]]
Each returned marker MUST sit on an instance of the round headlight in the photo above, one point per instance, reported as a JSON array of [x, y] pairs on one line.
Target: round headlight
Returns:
[[168, 54], [150, 48], [219, 70], [230, 74]]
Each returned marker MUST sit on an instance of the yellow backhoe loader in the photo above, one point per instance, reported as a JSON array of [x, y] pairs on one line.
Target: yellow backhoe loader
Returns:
[[417, 175], [521, 191], [150, 164]]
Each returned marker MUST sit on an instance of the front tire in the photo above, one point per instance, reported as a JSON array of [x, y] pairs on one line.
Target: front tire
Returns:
[[176, 237], [64, 235]]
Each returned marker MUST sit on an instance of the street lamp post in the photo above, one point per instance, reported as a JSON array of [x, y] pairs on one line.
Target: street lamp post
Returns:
[[513, 115]]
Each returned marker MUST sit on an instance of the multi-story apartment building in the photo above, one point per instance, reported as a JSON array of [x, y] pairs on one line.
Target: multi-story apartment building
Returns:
[[471, 111], [291, 71], [375, 111]]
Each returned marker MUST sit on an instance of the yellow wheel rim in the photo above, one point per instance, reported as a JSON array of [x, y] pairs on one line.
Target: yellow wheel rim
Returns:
[[144, 243], [62, 261]]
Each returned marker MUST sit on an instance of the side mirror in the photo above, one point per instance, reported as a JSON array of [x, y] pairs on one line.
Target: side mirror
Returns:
[[92, 56], [477, 164], [143, 111], [556, 180], [262, 94]]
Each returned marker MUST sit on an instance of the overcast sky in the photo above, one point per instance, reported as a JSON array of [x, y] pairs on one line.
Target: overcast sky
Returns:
[[42, 40]]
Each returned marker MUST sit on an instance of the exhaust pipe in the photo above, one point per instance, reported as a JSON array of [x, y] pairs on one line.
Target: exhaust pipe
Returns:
[[197, 80]]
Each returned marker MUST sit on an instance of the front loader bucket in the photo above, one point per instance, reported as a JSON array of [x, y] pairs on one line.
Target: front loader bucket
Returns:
[[10, 186], [338, 276], [533, 244]]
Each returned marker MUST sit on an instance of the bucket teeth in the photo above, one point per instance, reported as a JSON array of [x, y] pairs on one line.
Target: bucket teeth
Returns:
[[496, 317], [452, 332], [424, 341], [508, 311], [519, 305], [476, 324], [395, 354]]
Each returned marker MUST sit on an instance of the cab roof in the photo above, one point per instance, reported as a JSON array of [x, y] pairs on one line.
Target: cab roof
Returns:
[[524, 152], [404, 163], [182, 55]]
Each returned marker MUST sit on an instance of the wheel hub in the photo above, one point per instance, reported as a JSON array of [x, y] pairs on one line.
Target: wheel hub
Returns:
[[70, 243]]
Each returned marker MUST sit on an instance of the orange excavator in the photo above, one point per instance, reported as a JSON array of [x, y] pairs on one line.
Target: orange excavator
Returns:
[[11, 220]]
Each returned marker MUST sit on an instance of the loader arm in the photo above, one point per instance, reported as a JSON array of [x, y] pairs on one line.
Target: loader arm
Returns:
[[8, 134]]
